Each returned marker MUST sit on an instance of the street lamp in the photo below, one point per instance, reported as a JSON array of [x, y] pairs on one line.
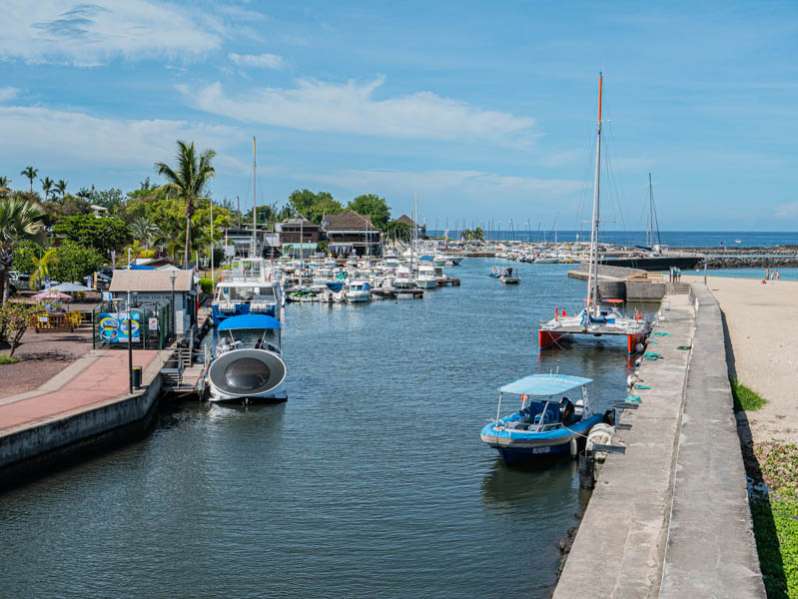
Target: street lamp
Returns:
[[172, 277]]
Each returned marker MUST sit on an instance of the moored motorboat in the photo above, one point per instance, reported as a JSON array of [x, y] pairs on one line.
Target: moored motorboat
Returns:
[[247, 360], [555, 414], [509, 276]]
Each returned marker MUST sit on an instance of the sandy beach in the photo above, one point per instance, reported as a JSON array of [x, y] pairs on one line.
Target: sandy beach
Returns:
[[763, 326]]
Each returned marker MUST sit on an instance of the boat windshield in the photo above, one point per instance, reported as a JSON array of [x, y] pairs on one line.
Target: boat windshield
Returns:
[[249, 339], [245, 294]]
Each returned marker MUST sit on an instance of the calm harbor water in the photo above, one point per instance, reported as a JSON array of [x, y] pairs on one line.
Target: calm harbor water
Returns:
[[371, 481]]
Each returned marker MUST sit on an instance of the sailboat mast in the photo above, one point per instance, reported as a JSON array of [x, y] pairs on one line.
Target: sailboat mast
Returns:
[[592, 282], [653, 225], [254, 199]]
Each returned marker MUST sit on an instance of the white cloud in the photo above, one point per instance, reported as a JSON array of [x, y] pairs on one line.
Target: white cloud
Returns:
[[352, 108], [65, 139], [8, 93], [476, 184], [258, 61], [786, 210], [68, 32]]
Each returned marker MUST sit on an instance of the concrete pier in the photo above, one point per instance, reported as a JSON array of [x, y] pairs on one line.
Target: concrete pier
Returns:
[[670, 517], [87, 402]]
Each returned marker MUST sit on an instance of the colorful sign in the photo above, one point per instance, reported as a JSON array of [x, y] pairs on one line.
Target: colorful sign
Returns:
[[113, 327]]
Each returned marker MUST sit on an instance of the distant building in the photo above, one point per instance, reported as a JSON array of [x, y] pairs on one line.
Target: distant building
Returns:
[[350, 232], [99, 211], [421, 230], [240, 240], [298, 237]]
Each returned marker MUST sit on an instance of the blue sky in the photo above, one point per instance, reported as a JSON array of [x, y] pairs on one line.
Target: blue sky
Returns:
[[483, 110]]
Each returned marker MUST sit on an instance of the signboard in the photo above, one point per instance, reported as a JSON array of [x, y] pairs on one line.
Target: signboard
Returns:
[[113, 327], [152, 324]]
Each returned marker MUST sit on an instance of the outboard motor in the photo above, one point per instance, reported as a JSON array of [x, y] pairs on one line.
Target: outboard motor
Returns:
[[247, 373]]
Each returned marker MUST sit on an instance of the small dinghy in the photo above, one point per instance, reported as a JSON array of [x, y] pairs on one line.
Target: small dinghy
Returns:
[[509, 276], [554, 419]]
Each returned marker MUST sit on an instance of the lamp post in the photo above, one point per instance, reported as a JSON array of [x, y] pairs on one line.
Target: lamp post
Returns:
[[129, 343], [172, 277]]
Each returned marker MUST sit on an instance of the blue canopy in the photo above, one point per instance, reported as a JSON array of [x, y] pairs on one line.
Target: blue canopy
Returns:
[[249, 322], [545, 385]]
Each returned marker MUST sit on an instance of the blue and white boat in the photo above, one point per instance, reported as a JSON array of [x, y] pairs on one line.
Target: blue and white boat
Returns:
[[555, 415], [251, 286], [247, 360]]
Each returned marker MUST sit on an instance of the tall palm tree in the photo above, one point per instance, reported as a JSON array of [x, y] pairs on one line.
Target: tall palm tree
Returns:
[[188, 181], [61, 188], [47, 187], [31, 173], [19, 220]]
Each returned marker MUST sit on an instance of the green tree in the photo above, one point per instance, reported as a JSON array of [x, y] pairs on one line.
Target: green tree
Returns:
[[14, 320], [30, 173], [5, 185], [373, 206], [103, 234], [42, 266], [73, 261], [61, 187], [47, 187], [25, 255], [399, 230], [145, 231], [20, 220], [188, 182], [314, 206]]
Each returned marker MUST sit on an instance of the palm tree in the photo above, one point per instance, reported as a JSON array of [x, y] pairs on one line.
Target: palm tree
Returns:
[[19, 220], [31, 173], [188, 181], [47, 187], [5, 184], [61, 188], [145, 231], [41, 267]]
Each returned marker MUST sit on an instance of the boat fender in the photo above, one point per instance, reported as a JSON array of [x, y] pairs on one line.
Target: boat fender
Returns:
[[574, 448]]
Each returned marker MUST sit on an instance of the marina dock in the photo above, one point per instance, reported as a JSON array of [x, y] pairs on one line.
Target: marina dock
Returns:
[[670, 517]]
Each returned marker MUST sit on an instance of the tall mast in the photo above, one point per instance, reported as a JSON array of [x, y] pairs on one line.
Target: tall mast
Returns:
[[592, 279], [653, 225], [254, 199]]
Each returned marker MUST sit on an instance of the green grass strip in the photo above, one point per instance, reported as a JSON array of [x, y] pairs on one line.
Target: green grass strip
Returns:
[[8, 360], [776, 533]]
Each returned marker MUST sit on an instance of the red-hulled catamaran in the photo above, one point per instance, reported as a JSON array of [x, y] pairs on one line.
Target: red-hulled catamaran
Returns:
[[595, 320]]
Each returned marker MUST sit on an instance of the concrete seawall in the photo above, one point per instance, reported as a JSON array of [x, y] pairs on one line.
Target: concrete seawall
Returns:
[[32, 446], [670, 517]]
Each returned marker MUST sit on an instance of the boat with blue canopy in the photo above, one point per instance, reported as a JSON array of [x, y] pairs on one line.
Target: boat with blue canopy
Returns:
[[554, 419], [247, 360]]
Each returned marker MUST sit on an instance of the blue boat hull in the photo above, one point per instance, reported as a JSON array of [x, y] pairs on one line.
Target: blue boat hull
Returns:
[[517, 447]]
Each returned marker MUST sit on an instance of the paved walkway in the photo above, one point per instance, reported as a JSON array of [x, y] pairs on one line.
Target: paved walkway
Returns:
[[95, 379]]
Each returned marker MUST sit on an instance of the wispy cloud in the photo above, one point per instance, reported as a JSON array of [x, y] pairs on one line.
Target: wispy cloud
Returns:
[[786, 210], [68, 32], [353, 107], [476, 184], [258, 61], [71, 139], [8, 93]]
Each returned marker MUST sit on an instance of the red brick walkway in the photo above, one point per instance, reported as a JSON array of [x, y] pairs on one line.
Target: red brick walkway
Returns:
[[93, 380]]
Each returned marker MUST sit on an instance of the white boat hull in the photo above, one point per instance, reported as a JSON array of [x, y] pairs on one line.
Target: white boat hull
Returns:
[[247, 374]]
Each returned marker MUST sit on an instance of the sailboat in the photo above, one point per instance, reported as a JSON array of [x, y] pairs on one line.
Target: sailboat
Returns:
[[246, 354], [594, 319]]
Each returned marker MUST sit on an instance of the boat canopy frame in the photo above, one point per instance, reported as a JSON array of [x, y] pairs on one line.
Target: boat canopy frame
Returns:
[[545, 388]]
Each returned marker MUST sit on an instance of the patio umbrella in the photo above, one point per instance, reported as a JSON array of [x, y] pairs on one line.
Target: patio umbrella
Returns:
[[70, 288], [53, 296]]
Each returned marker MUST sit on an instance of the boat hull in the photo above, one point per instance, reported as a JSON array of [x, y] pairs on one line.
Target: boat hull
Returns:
[[247, 374], [523, 447]]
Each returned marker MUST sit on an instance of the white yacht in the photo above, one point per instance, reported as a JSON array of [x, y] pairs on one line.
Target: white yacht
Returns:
[[358, 291], [426, 278]]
